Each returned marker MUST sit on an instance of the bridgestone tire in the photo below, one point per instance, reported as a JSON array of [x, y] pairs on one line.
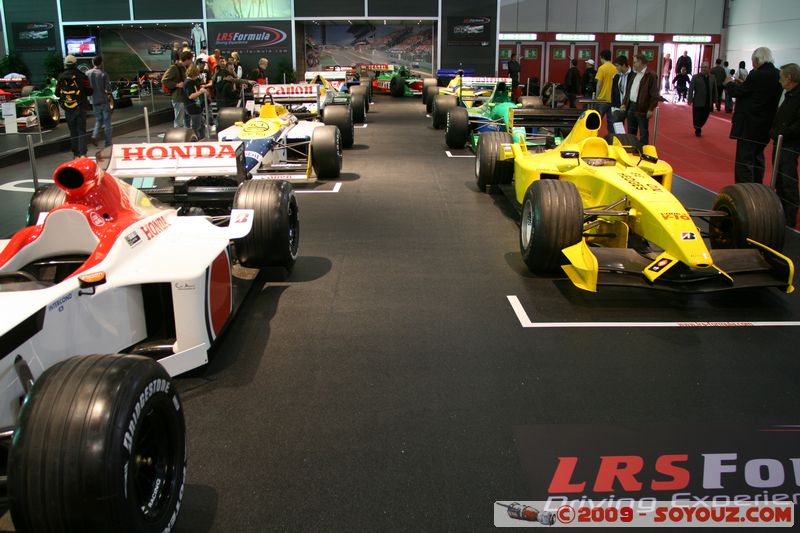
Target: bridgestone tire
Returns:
[[489, 170], [180, 135], [358, 101], [341, 116], [44, 200], [275, 237], [326, 152], [48, 113], [456, 131], [397, 87], [229, 116], [428, 82], [754, 211], [552, 219], [428, 94], [442, 103], [531, 102], [100, 445], [363, 89]]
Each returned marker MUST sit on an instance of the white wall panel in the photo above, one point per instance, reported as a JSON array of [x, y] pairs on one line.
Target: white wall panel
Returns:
[[561, 15], [680, 16], [508, 15], [532, 15], [622, 16], [591, 16], [708, 16], [746, 11], [650, 16], [778, 10]]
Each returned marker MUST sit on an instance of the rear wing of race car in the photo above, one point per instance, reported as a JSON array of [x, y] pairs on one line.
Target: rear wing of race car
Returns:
[[292, 93], [379, 67], [336, 79], [481, 81], [540, 123], [176, 160]]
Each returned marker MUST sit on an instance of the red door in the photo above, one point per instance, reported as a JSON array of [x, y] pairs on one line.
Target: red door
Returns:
[[558, 57], [708, 56], [653, 53], [531, 63], [504, 54], [622, 50]]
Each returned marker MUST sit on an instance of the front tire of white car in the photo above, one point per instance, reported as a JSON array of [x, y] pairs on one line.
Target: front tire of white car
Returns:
[[275, 238], [229, 116], [100, 445], [326, 152], [44, 200]]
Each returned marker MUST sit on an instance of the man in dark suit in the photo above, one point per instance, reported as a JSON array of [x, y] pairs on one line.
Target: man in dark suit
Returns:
[[787, 123], [702, 96], [756, 102], [684, 61], [641, 99], [618, 90]]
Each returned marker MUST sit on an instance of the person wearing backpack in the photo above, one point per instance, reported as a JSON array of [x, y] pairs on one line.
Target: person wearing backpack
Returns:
[[172, 82], [72, 90]]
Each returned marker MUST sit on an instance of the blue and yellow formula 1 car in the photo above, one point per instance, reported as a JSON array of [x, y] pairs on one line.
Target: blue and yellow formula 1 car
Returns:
[[605, 212]]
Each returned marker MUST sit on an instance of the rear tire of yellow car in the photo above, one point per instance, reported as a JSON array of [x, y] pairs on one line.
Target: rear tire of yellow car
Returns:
[[364, 89], [754, 211], [428, 94], [359, 105], [489, 170], [442, 103], [428, 82], [628, 140], [552, 219], [275, 238], [44, 109], [100, 445], [456, 130], [44, 200], [180, 135], [326, 152], [340, 116], [229, 116]]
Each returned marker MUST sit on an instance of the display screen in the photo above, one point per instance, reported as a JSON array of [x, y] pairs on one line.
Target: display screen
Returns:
[[34, 36], [475, 31], [85, 47]]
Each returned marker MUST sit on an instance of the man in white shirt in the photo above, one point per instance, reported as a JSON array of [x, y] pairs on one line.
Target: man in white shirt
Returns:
[[641, 99]]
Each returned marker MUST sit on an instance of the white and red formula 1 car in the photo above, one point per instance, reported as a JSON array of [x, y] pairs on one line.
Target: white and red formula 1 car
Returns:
[[97, 442]]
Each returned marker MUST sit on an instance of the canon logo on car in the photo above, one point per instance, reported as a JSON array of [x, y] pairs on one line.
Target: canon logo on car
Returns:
[[154, 227], [290, 89], [177, 151], [671, 472]]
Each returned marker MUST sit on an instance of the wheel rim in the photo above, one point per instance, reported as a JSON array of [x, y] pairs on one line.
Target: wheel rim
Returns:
[[526, 226], [294, 227], [478, 163], [54, 114], [154, 457], [721, 229]]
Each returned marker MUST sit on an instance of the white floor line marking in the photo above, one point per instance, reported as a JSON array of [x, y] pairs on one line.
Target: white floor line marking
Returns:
[[12, 185], [361, 126], [336, 188], [451, 155], [526, 322]]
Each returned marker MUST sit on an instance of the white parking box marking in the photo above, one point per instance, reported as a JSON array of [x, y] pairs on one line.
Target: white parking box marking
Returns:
[[12, 186], [336, 188], [526, 322], [449, 154]]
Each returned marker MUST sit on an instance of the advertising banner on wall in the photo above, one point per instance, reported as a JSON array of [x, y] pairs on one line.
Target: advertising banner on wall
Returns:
[[253, 40], [34, 36], [410, 45], [248, 9], [469, 31]]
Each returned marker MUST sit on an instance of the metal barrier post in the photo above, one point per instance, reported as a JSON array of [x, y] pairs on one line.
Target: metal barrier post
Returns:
[[208, 116], [778, 148], [32, 159], [147, 124], [655, 127]]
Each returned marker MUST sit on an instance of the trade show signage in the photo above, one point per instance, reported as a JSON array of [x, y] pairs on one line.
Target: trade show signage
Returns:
[[685, 463], [236, 36], [470, 31], [34, 36]]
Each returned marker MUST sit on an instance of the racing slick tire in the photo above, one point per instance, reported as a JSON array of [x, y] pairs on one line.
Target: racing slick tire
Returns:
[[754, 212], [627, 140], [358, 101], [428, 82], [275, 237], [397, 87], [489, 170], [180, 135], [364, 89], [44, 200], [326, 152], [341, 116], [531, 102], [228, 116], [48, 112], [428, 93], [552, 219], [456, 130], [442, 103], [100, 445]]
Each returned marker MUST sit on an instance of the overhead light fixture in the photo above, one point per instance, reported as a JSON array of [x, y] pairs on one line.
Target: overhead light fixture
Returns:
[[518, 36], [635, 38], [691, 38], [575, 37]]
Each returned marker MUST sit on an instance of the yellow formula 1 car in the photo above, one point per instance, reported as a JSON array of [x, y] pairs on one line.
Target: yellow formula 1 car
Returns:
[[605, 212]]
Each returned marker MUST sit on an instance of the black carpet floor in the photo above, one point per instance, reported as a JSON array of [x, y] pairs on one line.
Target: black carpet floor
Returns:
[[377, 387]]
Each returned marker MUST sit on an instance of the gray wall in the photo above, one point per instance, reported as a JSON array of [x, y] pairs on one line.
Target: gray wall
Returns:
[[754, 23], [600, 16]]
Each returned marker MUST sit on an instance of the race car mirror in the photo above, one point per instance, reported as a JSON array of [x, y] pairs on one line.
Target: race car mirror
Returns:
[[570, 154], [90, 281], [649, 158]]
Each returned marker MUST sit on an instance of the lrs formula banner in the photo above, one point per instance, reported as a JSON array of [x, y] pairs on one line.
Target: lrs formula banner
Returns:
[[703, 463]]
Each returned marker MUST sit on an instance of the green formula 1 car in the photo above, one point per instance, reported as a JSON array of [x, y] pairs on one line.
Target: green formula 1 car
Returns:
[[42, 103]]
